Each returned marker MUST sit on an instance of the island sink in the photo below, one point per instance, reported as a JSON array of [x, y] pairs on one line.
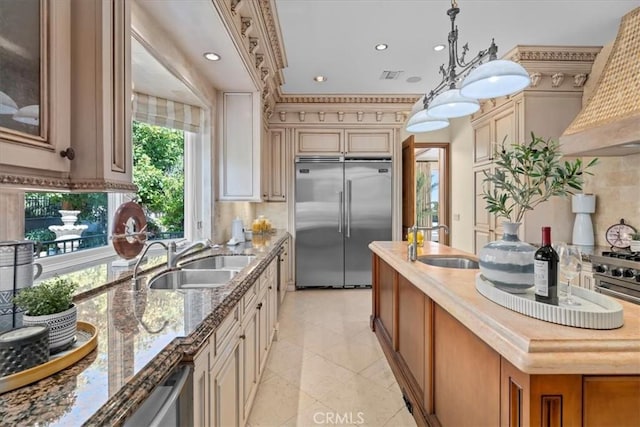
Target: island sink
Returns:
[[190, 279], [449, 261]]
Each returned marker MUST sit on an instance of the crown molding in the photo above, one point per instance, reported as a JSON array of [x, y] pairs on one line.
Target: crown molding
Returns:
[[346, 99], [523, 53], [16, 180]]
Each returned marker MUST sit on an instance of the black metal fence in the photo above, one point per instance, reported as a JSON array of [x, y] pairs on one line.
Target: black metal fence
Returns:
[[57, 247]]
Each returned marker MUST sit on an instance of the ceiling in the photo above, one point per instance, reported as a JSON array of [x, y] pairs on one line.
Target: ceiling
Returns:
[[336, 38]]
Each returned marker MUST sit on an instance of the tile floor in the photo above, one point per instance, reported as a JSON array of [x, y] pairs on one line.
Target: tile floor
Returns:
[[327, 367]]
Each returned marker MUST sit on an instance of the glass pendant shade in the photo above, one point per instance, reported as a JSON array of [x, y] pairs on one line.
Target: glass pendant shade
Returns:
[[423, 122], [7, 105], [451, 104], [29, 115], [495, 78]]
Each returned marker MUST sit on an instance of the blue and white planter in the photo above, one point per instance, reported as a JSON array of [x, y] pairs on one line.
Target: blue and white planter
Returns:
[[508, 263]]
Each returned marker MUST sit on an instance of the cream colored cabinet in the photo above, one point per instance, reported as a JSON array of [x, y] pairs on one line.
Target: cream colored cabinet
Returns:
[[285, 268], [101, 95], [249, 344], [276, 155], [348, 142], [240, 161], [201, 388], [225, 387]]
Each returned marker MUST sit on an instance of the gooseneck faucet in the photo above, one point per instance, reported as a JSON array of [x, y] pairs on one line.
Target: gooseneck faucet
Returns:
[[173, 255], [144, 252], [413, 246]]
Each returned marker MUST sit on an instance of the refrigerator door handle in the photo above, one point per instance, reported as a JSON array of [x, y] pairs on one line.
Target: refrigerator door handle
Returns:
[[348, 207], [340, 211]]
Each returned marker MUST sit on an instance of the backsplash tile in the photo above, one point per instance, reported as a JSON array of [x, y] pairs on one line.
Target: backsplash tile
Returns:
[[225, 212], [616, 184], [275, 212]]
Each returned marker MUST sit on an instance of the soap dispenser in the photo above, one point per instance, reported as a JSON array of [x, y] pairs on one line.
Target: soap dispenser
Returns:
[[237, 230]]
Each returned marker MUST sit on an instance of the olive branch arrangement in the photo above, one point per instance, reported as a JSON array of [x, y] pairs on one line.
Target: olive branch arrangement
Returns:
[[529, 174]]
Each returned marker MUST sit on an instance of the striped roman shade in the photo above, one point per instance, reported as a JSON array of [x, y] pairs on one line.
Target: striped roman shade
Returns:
[[166, 113]]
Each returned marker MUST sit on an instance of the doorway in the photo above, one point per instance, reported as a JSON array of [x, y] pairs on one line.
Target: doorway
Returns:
[[425, 187]]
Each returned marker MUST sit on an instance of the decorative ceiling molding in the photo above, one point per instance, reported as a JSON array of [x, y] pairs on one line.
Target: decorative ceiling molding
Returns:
[[347, 99], [527, 53], [267, 10]]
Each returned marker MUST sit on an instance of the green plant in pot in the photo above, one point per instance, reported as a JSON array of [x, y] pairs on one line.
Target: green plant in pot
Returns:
[[51, 303], [525, 176]]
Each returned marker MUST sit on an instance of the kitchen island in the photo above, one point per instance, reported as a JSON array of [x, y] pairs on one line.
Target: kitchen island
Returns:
[[461, 359], [143, 335]]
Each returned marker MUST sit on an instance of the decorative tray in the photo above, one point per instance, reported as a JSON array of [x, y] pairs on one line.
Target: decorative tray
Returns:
[[596, 311], [86, 340]]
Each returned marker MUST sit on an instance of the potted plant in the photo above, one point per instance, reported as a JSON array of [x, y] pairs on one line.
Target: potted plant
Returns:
[[525, 176], [635, 242], [51, 303]]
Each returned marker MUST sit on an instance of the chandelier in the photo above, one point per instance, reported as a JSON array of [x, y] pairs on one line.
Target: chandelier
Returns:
[[482, 77]]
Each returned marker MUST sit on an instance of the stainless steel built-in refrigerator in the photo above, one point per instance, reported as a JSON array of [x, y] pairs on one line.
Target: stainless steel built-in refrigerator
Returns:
[[341, 206]]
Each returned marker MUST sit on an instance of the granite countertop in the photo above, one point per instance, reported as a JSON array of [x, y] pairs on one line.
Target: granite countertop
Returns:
[[533, 346], [142, 336]]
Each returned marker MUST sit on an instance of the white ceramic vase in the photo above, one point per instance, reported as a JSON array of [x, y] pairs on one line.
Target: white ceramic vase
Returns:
[[508, 262], [62, 327]]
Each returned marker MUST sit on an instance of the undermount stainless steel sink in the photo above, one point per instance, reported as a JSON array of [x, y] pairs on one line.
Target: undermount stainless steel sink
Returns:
[[220, 261], [449, 261], [191, 279]]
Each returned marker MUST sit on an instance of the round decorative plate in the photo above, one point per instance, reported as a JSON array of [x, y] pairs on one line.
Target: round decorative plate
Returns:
[[129, 225]]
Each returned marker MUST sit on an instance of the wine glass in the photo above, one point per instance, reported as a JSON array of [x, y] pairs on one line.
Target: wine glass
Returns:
[[570, 265]]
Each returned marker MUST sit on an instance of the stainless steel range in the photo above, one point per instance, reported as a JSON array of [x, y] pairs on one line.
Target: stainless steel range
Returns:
[[618, 274]]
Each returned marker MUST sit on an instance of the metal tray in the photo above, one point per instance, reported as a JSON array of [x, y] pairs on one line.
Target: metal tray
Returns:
[[597, 311], [86, 340]]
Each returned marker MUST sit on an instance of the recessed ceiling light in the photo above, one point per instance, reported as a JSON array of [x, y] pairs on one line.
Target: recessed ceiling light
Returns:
[[320, 79], [211, 56], [381, 46], [414, 79], [439, 47]]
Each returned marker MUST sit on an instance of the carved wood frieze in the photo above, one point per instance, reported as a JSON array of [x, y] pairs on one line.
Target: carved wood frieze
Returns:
[[347, 99], [65, 183]]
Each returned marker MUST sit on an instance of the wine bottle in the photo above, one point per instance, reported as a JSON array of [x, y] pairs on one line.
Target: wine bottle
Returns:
[[546, 270]]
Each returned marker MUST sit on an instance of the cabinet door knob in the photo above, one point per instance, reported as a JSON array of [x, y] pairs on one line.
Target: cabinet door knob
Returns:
[[69, 153], [259, 307], [243, 336], [270, 287]]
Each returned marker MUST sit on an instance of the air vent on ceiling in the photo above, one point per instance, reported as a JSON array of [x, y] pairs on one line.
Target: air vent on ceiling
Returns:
[[390, 75]]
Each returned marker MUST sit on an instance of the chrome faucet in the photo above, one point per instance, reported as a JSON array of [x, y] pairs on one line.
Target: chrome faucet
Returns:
[[413, 246], [173, 255], [144, 252]]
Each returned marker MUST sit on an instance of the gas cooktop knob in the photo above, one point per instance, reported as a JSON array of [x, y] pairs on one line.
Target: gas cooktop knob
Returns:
[[616, 272], [600, 268], [638, 277], [628, 273]]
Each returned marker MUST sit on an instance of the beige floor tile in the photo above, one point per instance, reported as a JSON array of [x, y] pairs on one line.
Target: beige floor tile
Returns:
[[318, 376], [276, 402], [361, 396], [353, 356], [316, 415], [380, 372], [324, 341], [401, 419], [285, 355]]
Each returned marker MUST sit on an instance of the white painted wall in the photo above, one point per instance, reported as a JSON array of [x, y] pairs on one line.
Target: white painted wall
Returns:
[[462, 184]]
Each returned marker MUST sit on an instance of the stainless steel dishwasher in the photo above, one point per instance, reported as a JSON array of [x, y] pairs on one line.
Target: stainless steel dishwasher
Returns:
[[170, 404]]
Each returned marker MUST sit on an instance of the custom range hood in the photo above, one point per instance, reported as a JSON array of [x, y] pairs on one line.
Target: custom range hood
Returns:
[[609, 124]]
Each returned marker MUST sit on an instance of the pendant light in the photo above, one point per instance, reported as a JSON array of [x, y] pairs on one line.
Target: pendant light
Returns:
[[421, 121], [483, 80]]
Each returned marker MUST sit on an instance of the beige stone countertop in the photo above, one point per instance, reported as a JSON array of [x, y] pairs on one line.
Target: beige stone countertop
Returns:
[[142, 336], [533, 346]]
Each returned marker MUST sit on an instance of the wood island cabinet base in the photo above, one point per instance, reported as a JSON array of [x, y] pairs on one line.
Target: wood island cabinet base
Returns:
[[450, 377]]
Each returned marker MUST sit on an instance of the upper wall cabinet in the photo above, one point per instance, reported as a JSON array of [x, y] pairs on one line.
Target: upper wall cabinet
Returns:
[[101, 95], [71, 129], [34, 93], [239, 147], [348, 142], [275, 161]]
